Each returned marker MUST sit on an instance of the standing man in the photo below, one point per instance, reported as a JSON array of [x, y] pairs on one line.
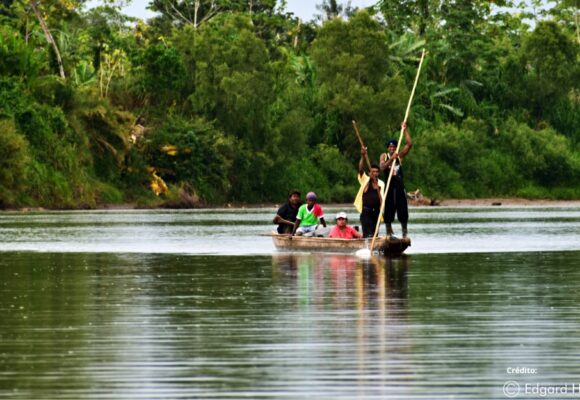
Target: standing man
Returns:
[[286, 215], [368, 198], [396, 201]]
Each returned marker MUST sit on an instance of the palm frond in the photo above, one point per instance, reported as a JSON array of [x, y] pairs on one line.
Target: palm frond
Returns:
[[454, 110]]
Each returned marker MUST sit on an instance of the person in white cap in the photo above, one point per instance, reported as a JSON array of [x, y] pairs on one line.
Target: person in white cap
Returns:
[[343, 231]]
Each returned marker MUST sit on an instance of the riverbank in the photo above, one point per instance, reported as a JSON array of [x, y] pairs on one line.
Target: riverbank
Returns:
[[510, 201], [492, 201]]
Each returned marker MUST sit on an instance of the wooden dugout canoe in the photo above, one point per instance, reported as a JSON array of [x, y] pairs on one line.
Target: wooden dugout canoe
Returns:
[[387, 246]]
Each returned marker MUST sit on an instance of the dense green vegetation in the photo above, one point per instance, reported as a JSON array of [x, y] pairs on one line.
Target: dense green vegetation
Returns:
[[235, 100]]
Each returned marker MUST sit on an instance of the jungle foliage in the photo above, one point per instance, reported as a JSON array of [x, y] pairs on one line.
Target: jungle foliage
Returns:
[[234, 100]]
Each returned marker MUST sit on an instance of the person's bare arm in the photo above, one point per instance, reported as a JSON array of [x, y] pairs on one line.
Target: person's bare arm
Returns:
[[408, 141], [383, 162], [386, 162], [361, 165], [296, 224], [279, 220]]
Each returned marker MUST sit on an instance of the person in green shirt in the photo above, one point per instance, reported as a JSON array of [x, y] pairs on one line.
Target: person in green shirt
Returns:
[[309, 216]]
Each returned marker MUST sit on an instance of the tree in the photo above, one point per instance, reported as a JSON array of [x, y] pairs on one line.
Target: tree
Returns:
[[331, 9], [19, 59], [568, 12], [408, 15], [551, 69], [229, 68], [163, 74], [48, 36], [196, 12], [108, 28], [352, 62]]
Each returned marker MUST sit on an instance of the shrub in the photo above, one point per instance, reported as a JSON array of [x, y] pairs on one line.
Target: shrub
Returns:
[[544, 156], [13, 160], [192, 152], [340, 174]]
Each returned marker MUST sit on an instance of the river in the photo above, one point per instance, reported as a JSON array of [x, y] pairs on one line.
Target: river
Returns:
[[196, 304]]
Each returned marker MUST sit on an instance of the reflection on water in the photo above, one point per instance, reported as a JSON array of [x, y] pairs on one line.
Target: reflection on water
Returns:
[[364, 305], [130, 326], [292, 326], [347, 277], [140, 325]]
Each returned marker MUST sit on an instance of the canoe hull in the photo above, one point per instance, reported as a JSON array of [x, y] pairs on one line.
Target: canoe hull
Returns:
[[387, 246]]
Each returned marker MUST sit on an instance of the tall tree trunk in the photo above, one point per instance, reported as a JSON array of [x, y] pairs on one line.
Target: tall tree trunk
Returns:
[[577, 26], [195, 11], [48, 36], [424, 18], [297, 33]]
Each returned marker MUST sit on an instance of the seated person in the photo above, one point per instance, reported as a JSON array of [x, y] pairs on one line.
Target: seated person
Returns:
[[343, 231], [309, 215], [286, 215]]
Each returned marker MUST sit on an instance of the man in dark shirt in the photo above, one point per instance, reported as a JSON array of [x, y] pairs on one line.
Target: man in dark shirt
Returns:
[[368, 199], [286, 215], [396, 201]]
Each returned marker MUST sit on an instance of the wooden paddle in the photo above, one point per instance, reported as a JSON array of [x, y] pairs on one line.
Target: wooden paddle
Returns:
[[397, 150], [361, 144]]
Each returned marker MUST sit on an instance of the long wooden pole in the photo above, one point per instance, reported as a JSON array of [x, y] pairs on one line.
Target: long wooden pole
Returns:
[[397, 150], [361, 144]]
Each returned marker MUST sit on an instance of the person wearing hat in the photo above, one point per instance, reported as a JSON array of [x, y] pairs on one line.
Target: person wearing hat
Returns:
[[396, 201], [309, 216], [286, 215], [342, 230], [368, 198]]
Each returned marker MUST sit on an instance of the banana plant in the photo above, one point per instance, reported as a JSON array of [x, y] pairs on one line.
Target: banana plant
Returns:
[[440, 98], [405, 48], [84, 74]]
